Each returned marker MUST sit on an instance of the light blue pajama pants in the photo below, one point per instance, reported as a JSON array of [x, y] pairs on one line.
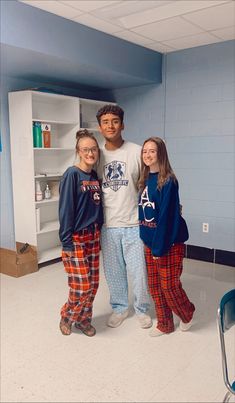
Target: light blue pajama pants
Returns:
[[123, 257]]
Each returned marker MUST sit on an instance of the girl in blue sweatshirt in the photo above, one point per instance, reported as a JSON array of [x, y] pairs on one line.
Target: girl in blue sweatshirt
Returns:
[[163, 231], [81, 217]]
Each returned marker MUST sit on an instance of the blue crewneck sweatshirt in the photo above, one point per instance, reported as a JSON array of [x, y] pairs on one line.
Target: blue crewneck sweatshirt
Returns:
[[161, 224], [79, 204]]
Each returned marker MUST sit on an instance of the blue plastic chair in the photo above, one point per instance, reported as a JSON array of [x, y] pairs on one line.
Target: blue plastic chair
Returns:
[[226, 319]]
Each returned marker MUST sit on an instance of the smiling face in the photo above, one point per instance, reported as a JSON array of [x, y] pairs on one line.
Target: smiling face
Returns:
[[88, 152], [111, 128], [149, 156]]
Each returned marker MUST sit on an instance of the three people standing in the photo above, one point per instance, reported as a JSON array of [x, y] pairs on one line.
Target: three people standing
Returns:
[[129, 243]]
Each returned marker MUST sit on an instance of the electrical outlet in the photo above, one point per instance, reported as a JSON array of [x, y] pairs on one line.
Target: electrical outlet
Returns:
[[205, 227]]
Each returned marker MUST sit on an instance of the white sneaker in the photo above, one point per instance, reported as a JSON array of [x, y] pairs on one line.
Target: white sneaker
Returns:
[[185, 326], [156, 332], [144, 320], [116, 319]]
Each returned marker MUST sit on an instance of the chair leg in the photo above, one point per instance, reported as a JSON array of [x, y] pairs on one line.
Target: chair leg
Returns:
[[227, 397]]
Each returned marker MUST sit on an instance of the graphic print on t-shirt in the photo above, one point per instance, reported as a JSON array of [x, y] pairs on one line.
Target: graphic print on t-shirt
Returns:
[[95, 197], [115, 173], [94, 188]]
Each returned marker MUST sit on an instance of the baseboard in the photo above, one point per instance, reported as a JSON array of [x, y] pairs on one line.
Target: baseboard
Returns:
[[224, 257], [49, 262]]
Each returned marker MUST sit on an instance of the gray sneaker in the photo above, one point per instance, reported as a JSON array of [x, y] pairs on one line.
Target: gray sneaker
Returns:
[[144, 320], [116, 319]]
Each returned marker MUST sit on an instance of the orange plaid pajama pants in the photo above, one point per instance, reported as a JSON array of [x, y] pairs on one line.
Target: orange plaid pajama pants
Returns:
[[83, 276], [166, 289]]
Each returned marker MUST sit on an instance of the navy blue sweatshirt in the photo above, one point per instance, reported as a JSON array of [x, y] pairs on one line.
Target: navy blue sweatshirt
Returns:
[[161, 224], [79, 204]]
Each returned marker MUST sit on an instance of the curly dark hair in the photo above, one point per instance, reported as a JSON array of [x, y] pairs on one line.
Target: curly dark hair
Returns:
[[109, 108]]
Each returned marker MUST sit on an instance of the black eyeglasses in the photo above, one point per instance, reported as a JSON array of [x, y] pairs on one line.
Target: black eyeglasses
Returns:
[[86, 150]]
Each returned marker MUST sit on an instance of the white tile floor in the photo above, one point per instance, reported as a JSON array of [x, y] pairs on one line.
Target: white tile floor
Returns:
[[39, 364]]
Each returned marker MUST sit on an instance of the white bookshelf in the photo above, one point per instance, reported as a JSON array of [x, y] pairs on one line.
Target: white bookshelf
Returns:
[[49, 226], [54, 199], [44, 255], [46, 165]]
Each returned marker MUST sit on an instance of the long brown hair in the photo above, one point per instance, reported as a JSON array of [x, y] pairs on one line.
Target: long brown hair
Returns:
[[165, 170]]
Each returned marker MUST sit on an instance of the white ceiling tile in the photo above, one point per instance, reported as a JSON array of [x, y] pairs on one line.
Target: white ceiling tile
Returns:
[[96, 23], [160, 25], [163, 11], [89, 5], [133, 37], [160, 47], [214, 18], [192, 41], [127, 7], [225, 33], [167, 29], [55, 7]]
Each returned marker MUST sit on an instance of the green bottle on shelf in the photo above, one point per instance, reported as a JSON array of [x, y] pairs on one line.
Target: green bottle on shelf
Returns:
[[37, 134]]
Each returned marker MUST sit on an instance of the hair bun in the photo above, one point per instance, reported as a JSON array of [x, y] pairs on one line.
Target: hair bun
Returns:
[[82, 133]]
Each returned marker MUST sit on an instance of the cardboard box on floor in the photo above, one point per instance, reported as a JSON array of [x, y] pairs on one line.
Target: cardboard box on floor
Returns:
[[20, 262]]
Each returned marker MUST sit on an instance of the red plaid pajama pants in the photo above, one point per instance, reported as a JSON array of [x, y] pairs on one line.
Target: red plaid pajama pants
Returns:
[[83, 276], [166, 289]]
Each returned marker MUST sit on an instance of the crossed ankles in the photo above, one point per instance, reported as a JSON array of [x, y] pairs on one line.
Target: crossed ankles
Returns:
[[88, 330], [66, 328]]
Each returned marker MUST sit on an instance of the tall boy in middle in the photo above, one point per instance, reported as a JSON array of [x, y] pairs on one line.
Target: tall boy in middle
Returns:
[[123, 252]]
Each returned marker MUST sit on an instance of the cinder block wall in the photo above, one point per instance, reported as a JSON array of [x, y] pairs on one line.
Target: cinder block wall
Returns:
[[193, 110]]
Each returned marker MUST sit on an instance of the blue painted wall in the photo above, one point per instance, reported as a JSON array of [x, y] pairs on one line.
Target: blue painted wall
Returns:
[[200, 133], [193, 110], [144, 111]]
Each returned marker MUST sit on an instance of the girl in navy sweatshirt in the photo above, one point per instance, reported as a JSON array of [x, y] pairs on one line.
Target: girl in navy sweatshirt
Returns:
[[163, 231], [81, 217]]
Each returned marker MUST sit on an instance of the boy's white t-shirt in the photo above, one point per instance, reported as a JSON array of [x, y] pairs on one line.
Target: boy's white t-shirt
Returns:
[[120, 170]]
